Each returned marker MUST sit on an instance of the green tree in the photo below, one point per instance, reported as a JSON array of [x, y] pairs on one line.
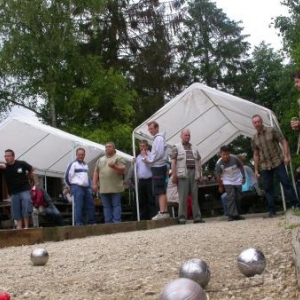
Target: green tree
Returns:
[[211, 46], [135, 38], [289, 28], [43, 66]]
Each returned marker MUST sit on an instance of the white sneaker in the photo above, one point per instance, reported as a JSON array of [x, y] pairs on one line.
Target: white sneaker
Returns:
[[161, 216]]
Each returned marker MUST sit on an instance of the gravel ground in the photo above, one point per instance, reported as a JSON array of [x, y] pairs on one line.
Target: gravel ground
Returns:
[[137, 265]]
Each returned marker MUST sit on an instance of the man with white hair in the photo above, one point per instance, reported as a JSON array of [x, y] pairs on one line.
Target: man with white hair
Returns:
[[187, 173]]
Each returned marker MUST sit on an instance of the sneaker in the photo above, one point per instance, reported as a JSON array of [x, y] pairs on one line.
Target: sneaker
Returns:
[[199, 221], [230, 219], [238, 218], [181, 221], [271, 215], [161, 216]]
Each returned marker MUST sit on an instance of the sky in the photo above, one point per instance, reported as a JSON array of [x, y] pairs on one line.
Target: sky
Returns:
[[256, 16]]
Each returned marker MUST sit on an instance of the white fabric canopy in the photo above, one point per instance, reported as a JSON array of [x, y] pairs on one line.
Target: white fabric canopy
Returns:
[[48, 149], [214, 118]]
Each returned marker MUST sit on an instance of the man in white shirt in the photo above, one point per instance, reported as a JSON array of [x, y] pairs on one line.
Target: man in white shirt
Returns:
[[230, 176], [77, 179]]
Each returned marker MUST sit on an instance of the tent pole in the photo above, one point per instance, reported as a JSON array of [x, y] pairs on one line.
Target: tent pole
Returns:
[[283, 198], [135, 180], [293, 180], [73, 202]]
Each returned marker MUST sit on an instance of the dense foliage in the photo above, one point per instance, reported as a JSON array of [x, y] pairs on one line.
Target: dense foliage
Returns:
[[99, 68]]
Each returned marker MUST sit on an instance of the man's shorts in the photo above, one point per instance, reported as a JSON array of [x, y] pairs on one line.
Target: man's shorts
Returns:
[[159, 175], [21, 206]]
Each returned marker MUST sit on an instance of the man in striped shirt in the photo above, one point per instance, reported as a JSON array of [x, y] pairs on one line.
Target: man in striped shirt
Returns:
[[186, 172]]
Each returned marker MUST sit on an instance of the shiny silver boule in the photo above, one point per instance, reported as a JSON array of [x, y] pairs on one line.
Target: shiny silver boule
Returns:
[[197, 270], [182, 289], [39, 257], [251, 262]]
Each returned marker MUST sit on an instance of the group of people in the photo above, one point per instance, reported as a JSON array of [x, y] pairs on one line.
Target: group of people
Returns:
[[152, 174], [269, 160], [28, 198], [107, 179]]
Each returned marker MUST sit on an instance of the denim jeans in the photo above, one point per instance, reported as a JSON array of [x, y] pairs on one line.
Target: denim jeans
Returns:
[[112, 207], [268, 176], [55, 215], [84, 205], [224, 199], [21, 206]]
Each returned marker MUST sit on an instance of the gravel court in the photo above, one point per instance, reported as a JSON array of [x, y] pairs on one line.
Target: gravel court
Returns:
[[137, 265]]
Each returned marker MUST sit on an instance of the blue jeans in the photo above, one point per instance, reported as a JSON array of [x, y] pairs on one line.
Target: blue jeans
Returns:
[[280, 172], [84, 205], [21, 206], [224, 199], [112, 207], [55, 215]]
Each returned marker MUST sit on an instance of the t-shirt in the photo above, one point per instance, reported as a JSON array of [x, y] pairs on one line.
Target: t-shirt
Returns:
[[110, 180], [230, 171], [16, 177]]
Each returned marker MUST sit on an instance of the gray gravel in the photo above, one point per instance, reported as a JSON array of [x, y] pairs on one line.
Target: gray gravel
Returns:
[[137, 265]]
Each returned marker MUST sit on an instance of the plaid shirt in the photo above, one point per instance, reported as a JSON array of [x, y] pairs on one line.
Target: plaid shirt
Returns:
[[267, 143]]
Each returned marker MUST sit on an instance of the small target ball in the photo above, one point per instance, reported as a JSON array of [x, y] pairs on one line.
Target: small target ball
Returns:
[[251, 262], [197, 270], [4, 296], [182, 289], [39, 257]]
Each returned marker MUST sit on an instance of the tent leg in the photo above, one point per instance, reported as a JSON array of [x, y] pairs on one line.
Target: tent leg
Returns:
[[73, 211], [283, 198]]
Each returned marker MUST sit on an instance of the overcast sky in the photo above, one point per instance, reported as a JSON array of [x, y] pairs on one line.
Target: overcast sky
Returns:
[[256, 16]]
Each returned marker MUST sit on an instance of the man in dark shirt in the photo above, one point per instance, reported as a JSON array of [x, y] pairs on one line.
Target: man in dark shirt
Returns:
[[16, 174]]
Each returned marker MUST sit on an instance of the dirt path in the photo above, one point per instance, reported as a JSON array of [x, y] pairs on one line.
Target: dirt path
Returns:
[[137, 265]]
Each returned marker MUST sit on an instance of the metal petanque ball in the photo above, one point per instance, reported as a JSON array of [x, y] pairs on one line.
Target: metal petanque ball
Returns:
[[182, 289], [39, 257], [197, 270], [251, 262]]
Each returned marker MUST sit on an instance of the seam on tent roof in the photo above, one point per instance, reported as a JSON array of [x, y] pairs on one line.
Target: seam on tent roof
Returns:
[[44, 137]]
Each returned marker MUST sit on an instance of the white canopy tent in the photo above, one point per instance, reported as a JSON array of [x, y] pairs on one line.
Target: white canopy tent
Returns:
[[214, 118], [48, 149]]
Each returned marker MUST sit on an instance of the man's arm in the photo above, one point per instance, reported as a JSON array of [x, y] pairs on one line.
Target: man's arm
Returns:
[[118, 166], [158, 150], [286, 151], [256, 162], [96, 181], [220, 183]]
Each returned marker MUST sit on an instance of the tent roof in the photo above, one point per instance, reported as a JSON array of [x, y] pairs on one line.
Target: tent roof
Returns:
[[48, 149], [214, 118]]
